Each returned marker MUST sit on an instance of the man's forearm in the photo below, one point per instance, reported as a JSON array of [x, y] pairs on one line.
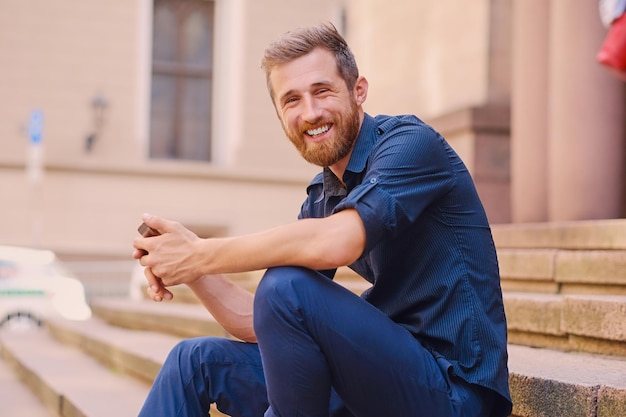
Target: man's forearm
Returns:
[[178, 256], [230, 304], [318, 244]]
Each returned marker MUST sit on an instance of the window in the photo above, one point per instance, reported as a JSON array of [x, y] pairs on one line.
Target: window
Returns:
[[182, 49]]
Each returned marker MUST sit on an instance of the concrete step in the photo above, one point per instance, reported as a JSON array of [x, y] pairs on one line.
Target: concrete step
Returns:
[[549, 270], [137, 353], [68, 382], [545, 382], [179, 319], [588, 323], [545, 379], [16, 398], [583, 257], [574, 235]]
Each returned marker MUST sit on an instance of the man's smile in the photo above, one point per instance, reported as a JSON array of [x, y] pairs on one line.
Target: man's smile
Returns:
[[318, 132]]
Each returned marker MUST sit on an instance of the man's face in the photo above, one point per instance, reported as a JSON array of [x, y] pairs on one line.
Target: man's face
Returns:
[[319, 115]]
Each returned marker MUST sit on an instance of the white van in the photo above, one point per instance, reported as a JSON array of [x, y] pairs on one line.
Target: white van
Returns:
[[34, 285]]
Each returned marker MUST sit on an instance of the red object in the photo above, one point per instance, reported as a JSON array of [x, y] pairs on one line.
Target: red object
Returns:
[[612, 53]]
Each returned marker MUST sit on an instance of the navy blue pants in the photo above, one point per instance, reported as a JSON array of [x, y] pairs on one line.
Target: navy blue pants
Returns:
[[322, 351]]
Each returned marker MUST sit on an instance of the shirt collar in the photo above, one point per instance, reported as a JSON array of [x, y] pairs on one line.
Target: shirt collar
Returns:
[[363, 145], [358, 158]]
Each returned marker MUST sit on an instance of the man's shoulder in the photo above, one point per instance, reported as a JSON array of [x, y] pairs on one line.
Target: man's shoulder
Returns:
[[388, 124]]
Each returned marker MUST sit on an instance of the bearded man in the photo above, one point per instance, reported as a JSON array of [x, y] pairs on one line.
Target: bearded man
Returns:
[[395, 203]]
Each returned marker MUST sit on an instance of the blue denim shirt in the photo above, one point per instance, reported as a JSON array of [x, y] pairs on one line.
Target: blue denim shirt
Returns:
[[429, 251]]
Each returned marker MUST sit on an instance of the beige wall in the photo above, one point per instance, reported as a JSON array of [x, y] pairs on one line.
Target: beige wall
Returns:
[[57, 56], [449, 62], [422, 57]]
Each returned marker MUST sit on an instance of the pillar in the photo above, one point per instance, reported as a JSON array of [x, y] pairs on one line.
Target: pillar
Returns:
[[529, 111], [586, 109]]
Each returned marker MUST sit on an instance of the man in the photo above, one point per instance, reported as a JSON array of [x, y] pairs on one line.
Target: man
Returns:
[[396, 204]]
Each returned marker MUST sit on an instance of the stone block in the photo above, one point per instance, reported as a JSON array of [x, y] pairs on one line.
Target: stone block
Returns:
[[537, 397], [550, 383], [591, 266], [539, 340], [536, 313], [602, 317], [528, 264], [611, 402], [529, 286], [588, 234]]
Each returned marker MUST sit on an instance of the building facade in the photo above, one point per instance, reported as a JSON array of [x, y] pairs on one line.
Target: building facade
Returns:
[[111, 109]]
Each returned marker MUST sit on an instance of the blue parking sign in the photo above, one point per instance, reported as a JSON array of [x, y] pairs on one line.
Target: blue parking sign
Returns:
[[35, 127]]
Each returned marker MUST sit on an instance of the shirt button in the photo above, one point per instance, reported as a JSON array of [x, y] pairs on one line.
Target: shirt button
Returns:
[[372, 180]]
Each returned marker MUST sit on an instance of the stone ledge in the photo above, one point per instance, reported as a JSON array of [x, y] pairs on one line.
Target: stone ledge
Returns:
[[591, 266], [137, 353], [563, 271], [17, 400], [601, 317], [550, 383], [589, 323], [44, 366], [527, 264], [179, 319], [543, 382], [587, 234], [535, 313]]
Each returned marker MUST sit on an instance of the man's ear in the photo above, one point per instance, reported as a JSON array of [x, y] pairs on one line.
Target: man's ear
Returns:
[[360, 90]]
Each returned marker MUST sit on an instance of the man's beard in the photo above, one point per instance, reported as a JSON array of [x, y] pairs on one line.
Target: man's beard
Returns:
[[328, 152]]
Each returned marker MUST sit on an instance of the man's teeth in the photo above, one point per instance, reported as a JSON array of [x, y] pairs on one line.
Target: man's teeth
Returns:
[[318, 131]]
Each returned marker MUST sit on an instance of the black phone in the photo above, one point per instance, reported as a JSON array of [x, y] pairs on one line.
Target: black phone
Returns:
[[146, 231]]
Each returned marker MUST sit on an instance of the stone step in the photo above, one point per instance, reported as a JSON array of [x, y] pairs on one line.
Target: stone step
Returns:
[[136, 353], [68, 382], [545, 383], [588, 323], [16, 398], [179, 319], [582, 257], [563, 271], [575, 235]]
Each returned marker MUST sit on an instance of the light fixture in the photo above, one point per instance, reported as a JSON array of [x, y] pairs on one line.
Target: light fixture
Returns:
[[99, 105]]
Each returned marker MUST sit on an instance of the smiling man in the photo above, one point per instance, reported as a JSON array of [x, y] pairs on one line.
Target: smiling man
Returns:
[[393, 202]]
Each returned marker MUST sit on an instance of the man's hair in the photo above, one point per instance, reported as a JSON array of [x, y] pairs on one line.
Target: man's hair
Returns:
[[299, 42]]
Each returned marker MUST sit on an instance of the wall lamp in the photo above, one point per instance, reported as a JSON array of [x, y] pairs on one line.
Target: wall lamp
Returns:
[[99, 106]]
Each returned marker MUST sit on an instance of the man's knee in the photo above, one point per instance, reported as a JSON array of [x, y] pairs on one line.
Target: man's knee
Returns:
[[278, 292], [280, 282], [189, 354]]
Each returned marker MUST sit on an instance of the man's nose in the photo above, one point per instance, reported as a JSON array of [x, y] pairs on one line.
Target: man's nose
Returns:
[[311, 111]]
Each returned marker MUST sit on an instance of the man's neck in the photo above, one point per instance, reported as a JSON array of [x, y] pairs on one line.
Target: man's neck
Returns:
[[340, 167]]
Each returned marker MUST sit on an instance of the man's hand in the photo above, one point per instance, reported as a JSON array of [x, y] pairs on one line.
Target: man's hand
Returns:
[[156, 289], [168, 258]]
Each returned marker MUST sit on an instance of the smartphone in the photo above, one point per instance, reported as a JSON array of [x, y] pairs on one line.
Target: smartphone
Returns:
[[146, 231]]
